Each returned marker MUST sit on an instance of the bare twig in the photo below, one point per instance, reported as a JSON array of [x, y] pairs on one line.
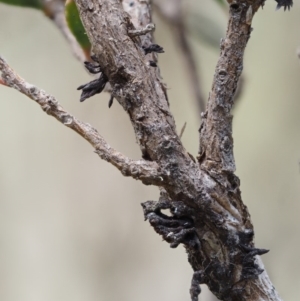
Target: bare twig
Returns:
[[171, 11], [55, 10], [182, 130], [140, 16], [147, 172]]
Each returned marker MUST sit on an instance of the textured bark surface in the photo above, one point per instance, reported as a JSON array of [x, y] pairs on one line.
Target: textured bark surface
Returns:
[[145, 171], [208, 215]]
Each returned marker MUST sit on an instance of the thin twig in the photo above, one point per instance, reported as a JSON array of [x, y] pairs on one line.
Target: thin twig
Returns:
[[182, 130], [55, 10], [147, 172]]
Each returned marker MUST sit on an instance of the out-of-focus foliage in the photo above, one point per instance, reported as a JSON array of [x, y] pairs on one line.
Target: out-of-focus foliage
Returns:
[[74, 23], [221, 2], [204, 28], [72, 18], [25, 3], [203, 25]]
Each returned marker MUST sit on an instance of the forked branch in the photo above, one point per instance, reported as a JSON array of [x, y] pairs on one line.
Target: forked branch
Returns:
[[207, 213], [147, 172]]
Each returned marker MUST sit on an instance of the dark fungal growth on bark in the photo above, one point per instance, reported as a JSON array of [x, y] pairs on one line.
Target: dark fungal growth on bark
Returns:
[[111, 101], [95, 86], [181, 228], [153, 48], [152, 64], [286, 4], [208, 216], [175, 229]]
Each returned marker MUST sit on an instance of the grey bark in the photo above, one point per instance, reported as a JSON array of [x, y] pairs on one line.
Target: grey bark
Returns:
[[207, 213], [209, 217]]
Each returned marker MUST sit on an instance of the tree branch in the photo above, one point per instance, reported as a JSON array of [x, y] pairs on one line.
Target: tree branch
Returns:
[[207, 213], [140, 16], [135, 84], [216, 142], [209, 217], [55, 10], [147, 172]]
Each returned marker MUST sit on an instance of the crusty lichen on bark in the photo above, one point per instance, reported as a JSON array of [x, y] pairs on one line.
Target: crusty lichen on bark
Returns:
[[218, 233], [207, 213]]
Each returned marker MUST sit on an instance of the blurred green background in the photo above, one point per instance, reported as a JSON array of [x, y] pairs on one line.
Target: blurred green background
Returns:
[[61, 234]]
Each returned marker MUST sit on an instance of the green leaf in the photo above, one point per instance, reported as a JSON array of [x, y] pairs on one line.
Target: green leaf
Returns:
[[75, 25], [25, 3]]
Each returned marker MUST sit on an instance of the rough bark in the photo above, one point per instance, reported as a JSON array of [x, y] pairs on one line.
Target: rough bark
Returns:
[[145, 171], [207, 213], [209, 217]]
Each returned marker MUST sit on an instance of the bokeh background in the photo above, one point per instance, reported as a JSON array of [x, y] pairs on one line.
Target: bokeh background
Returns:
[[71, 226]]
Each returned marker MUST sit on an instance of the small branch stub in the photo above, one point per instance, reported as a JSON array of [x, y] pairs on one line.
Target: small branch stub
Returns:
[[139, 32]]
